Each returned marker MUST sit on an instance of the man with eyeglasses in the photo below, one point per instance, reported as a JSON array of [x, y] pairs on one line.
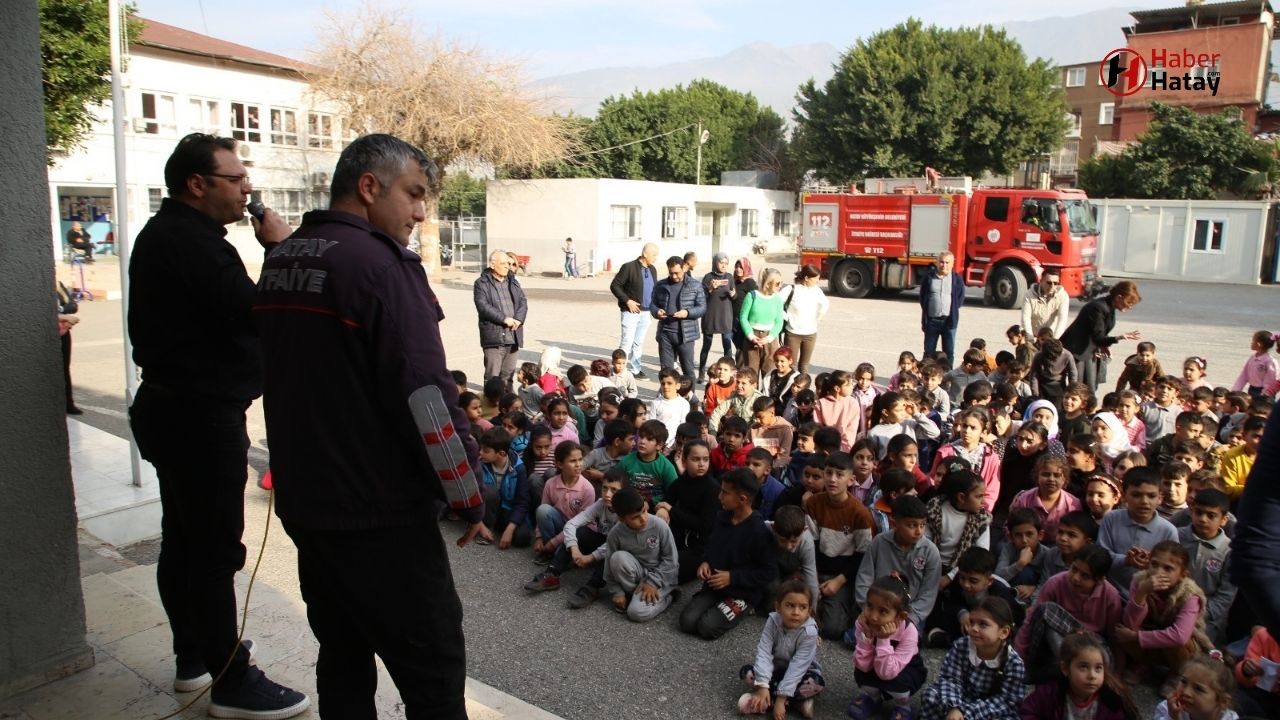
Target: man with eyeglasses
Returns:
[[1047, 305], [501, 308], [191, 325]]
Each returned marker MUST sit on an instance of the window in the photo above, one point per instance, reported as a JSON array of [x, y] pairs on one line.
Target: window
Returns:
[[1208, 236], [154, 197], [626, 222], [1073, 124], [675, 222], [749, 223], [706, 223], [1075, 77], [158, 112], [1206, 72], [204, 116], [284, 127], [246, 123], [287, 204], [1106, 113], [996, 208], [1229, 21], [782, 223], [319, 200], [319, 130]]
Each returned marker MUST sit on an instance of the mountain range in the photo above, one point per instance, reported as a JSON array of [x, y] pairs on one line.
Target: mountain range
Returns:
[[773, 74]]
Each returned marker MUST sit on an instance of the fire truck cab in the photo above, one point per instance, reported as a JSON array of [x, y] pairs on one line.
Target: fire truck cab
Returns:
[[1002, 238]]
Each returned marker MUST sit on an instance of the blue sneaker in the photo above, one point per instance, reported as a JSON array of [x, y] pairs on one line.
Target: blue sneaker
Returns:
[[257, 698], [850, 639], [862, 706]]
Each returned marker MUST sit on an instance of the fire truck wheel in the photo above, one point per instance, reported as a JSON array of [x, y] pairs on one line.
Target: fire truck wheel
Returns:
[[852, 279], [1007, 287]]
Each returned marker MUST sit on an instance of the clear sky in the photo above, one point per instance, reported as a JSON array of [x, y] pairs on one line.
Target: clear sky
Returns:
[[561, 36]]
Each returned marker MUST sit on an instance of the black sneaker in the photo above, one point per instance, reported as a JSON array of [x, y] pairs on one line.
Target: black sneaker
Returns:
[[543, 558], [583, 597], [639, 375], [937, 638], [192, 675], [258, 698]]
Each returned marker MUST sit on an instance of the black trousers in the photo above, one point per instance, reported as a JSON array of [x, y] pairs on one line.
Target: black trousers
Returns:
[[199, 448], [387, 592], [670, 346], [66, 367], [704, 617]]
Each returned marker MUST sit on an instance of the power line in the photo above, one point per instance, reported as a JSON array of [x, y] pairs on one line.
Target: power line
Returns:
[[628, 144]]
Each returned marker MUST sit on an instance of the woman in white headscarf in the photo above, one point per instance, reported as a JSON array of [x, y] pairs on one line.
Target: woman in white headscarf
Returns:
[[1111, 437]]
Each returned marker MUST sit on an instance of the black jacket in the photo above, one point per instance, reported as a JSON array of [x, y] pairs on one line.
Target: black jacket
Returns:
[[957, 297], [628, 284], [748, 551], [489, 309], [690, 296], [190, 308], [1091, 329], [362, 414]]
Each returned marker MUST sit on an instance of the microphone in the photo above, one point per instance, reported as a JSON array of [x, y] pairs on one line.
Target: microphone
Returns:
[[256, 209]]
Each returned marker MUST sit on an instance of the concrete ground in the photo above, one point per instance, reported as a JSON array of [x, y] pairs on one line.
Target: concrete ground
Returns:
[[591, 663]]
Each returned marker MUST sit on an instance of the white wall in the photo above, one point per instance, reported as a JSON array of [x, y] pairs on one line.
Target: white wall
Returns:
[[184, 77], [1141, 238], [532, 217]]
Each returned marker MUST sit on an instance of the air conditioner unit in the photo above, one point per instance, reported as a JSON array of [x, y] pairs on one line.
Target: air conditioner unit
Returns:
[[140, 124], [320, 179], [245, 150]]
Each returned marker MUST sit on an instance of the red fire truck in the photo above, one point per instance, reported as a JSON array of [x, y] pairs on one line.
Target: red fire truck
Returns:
[[1002, 238]]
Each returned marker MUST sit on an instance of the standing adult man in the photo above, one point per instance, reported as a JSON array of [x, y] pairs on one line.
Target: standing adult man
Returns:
[[941, 297], [79, 239], [633, 287], [1047, 305], [201, 368], [366, 435], [501, 307], [678, 302]]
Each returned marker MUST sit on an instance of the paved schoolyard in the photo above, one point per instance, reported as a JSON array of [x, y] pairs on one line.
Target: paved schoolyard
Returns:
[[594, 663]]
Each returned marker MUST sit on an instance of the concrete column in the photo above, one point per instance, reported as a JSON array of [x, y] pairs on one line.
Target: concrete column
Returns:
[[42, 626]]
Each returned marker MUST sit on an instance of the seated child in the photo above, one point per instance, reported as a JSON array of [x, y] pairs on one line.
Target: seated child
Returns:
[[621, 377], [1131, 532], [777, 383], [906, 553], [723, 384], [584, 544], [1203, 480], [506, 492], [1126, 461], [685, 432], [812, 480], [892, 416], [1109, 438], [975, 581], [1187, 426], [530, 391], [1163, 622], [1077, 404], [732, 445], [619, 441], [738, 404], [470, 404], [841, 527], [886, 657], [1077, 599], [668, 407], [1101, 495], [936, 398], [1173, 488], [517, 426], [739, 563], [564, 496], [893, 484], [973, 366], [1076, 531], [795, 550], [957, 520], [799, 410], [863, 453], [1049, 499], [982, 675], [1086, 686], [1236, 463], [650, 472], [760, 464], [539, 461], [1021, 558], [640, 572], [690, 507], [1209, 550], [1251, 700], [771, 432], [839, 408], [1084, 461], [786, 673], [1203, 691], [904, 453], [610, 401], [970, 426], [1128, 411], [459, 379]]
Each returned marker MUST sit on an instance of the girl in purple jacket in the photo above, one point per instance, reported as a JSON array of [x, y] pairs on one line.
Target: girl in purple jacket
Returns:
[[1088, 687]]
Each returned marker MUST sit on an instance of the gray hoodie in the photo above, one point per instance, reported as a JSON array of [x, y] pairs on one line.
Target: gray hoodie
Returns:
[[921, 566], [654, 547]]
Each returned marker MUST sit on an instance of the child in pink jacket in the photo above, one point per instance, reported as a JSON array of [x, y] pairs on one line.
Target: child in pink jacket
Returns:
[[565, 495], [836, 408], [886, 659]]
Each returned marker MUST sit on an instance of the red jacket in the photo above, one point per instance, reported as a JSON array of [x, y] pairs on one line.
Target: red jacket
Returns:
[[722, 464]]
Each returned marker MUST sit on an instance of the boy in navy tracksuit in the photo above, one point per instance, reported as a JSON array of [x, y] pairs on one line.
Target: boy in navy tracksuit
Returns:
[[740, 562]]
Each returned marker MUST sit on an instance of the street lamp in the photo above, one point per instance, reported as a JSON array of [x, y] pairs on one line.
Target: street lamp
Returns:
[[703, 136]]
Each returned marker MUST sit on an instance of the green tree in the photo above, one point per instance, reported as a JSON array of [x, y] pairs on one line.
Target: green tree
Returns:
[[1183, 155], [963, 101], [462, 196], [75, 53]]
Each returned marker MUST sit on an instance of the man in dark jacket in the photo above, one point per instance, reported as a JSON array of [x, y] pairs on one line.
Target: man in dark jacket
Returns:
[[191, 326], [678, 302], [941, 297], [633, 287], [501, 308], [366, 436]]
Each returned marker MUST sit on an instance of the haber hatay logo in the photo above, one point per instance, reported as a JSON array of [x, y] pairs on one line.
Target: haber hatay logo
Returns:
[[1123, 72]]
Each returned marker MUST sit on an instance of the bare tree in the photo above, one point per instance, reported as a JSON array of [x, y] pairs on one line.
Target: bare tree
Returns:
[[454, 102]]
